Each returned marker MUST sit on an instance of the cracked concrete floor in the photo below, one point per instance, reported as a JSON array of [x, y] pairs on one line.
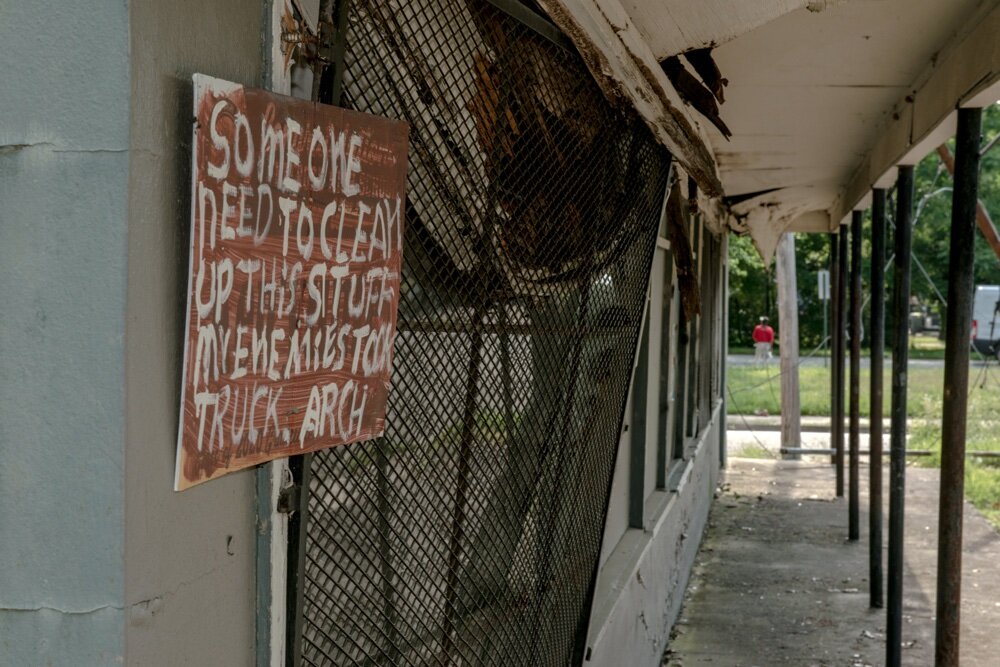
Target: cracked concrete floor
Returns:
[[777, 583]]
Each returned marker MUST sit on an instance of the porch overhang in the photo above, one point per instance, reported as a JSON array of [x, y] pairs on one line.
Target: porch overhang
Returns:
[[823, 99]]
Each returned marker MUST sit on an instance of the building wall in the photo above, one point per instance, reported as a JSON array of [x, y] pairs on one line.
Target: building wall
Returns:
[[63, 172], [190, 556], [641, 585], [645, 564]]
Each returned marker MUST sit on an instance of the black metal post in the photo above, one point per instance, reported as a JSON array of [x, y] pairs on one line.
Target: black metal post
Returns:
[[875, 409], [961, 264], [835, 333], [897, 442], [327, 90], [723, 375], [300, 468], [840, 324], [854, 496]]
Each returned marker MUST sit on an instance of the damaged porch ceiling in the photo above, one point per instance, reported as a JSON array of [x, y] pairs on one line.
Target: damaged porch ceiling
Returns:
[[810, 85]]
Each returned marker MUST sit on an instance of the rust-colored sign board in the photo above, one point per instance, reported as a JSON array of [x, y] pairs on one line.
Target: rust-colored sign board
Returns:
[[297, 215]]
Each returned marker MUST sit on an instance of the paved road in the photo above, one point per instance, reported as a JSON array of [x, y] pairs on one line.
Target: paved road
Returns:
[[748, 360]]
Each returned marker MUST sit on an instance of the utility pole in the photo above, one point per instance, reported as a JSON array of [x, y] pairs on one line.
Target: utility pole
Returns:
[[788, 331]]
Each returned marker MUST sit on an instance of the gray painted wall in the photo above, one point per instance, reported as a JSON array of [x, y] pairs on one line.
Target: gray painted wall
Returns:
[[63, 174], [63, 170], [100, 561], [189, 556], [641, 586]]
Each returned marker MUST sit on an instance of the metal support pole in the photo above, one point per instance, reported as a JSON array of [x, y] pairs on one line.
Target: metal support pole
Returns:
[[328, 91], [723, 374], [875, 583], [301, 470], [840, 324], [835, 334], [961, 264], [897, 442], [854, 494]]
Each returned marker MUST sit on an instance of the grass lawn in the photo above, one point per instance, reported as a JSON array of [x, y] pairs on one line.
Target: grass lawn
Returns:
[[921, 347], [755, 389]]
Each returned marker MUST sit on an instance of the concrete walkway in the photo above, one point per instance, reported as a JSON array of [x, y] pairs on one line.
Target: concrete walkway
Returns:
[[776, 582]]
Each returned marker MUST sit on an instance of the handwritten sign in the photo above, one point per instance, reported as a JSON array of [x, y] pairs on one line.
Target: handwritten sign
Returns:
[[297, 215]]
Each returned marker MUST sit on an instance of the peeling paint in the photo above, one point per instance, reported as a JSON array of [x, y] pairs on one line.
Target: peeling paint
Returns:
[[626, 71], [13, 148], [59, 610]]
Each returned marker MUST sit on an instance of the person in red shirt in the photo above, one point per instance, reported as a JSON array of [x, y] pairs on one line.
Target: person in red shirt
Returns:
[[763, 338]]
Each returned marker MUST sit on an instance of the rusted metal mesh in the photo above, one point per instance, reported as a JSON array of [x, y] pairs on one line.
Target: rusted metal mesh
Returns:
[[469, 534]]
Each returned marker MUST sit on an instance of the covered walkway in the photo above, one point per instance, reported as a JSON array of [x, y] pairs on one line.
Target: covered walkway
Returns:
[[776, 581]]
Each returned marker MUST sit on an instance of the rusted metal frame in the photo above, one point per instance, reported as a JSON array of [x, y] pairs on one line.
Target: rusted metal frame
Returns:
[[854, 493], [840, 325], [875, 574], [534, 22], [462, 486], [301, 469], [497, 328], [580, 650], [328, 92], [546, 551], [961, 287], [338, 52], [897, 443]]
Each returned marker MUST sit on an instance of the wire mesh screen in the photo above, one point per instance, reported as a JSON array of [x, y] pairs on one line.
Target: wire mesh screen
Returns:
[[469, 534]]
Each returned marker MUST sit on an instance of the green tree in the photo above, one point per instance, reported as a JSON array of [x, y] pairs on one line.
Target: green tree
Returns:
[[931, 231], [749, 281]]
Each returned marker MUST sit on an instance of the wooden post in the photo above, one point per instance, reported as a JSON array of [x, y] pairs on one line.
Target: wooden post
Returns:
[[788, 331]]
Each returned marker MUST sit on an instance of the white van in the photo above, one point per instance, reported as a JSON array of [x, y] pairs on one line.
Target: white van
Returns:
[[986, 320]]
